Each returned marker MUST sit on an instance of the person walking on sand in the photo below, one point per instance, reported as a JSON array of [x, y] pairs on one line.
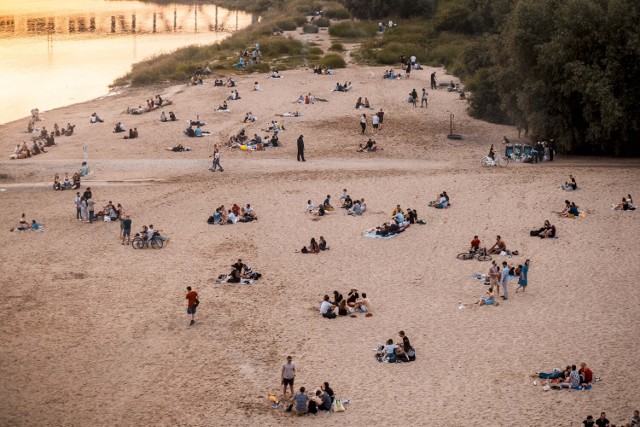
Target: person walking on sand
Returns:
[[126, 229], [192, 304], [363, 123], [288, 375], [375, 121], [216, 159], [425, 99], [78, 201], [522, 280], [504, 280], [300, 157]]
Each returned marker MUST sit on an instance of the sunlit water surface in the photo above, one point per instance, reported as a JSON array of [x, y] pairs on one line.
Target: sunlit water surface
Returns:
[[55, 53]]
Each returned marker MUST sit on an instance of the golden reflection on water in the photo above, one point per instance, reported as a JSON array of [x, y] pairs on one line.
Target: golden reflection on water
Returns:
[[56, 53]]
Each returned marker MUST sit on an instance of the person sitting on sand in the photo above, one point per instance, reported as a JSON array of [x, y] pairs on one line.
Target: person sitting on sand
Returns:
[[347, 203], [133, 133], [570, 184], [342, 308], [500, 246], [310, 207], [487, 299], [547, 231], [586, 375], [565, 211], [172, 116], [95, 119], [223, 107], [573, 211], [352, 297], [119, 128], [76, 181], [363, 304], [326, 308], [365, 103], [163, 117], [56, 183], [327, 203], [313, 247], [275, 74], [218, 82], [230, 82], [22, 224], [84, 169], [359, 102], [249, 118], [443, 202], [322, 244]]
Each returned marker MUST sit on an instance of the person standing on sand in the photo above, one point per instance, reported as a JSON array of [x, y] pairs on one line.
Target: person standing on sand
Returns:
[[78, 201], [192, 304], [494, 272], [425, 98], [381, 117], [504, 280], [433, 80], [300, 158], [363, 123], [522, 280], [91, 205], [288, 375], [126, 228], [375, 121]]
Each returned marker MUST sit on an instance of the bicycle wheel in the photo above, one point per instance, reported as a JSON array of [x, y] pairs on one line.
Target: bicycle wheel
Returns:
[[137, 243], [502, 161], [485, 162], [484, 257], [465, 255], [157, 243]]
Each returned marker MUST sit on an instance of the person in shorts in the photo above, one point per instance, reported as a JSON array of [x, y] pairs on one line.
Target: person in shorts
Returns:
[[288, 375], [380, 115], [126, 229], [192, 304]]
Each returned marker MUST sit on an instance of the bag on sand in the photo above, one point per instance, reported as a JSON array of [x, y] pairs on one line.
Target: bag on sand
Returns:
[[338, 406], [534, 233]]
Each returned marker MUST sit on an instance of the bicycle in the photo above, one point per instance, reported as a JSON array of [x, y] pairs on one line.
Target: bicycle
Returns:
[[481, 255], [139, 242], [498, 161]]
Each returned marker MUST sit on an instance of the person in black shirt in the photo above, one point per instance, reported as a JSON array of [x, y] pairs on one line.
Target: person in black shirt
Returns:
[[329, 391], [353, 297], [301, 149], [239, 266], [588, 422], [602, 421]]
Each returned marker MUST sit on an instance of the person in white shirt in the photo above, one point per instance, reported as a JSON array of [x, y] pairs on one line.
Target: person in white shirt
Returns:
[[310, 207], [326, 308], [504, 280], [232, 217], [376, 122], [150, 232]]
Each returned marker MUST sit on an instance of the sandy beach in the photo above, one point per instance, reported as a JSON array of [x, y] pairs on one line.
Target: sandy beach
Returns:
[[96, 333]]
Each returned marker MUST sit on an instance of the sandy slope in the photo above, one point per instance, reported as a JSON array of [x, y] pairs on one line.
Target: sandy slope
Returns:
[[95, 333]]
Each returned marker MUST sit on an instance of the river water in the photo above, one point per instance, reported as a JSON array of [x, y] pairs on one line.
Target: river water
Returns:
[[59, 52]]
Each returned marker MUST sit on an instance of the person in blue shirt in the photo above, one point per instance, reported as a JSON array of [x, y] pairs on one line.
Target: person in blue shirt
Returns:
[[522, 280], [198, 131]]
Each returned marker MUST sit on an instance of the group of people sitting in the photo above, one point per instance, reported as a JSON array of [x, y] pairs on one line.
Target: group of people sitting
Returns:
[[172, 117], [309, 99], [346, 87], [391, 75], [326, 70], [548, 230], [240, 273], [355, 208], [24, 225], [197, 132], [321, 209], [150, 104], [57, 131], [242, 141], [229, 83], [22, 151], [397, 224], [234, 96], [110, 213], [234, 215], [442, 201], [625, 205], [570, 378], [396, 353], [369, 147], [315, 247], [602, 421], [339, 306], [66, 184], [363, 104], [322, 400]]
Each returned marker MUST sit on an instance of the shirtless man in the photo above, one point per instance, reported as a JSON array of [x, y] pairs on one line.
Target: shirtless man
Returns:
[[494, 276], [498, 246]]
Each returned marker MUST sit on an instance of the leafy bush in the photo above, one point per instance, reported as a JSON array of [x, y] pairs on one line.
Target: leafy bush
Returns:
[[315, 51], [337, 47], [334, 61], [300, 20], [353, 30], [259, 68], [310, 29], [286, 25], [322, 22], [336, 12]]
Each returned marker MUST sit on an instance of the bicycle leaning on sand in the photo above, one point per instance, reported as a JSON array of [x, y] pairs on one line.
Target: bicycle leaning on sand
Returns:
[[480, 254], [498, 161], [139, 241]]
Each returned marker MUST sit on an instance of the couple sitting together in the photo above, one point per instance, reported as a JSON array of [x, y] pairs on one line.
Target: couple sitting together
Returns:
[[315, 247], [547, 230], [369, 147], [570, 210], [570, 184], [232, 216], [353, 304], [442, 203], [396, 353], [321, 209], [172, 117], [197, 132], [240, 273], [625, 205]]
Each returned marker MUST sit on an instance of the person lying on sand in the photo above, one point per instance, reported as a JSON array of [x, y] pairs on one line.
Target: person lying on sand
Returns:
[[178, 148], [290, 114]]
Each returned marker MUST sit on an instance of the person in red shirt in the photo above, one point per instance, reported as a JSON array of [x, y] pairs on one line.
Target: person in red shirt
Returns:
[[586, 376], [192, 304], [475, 244]]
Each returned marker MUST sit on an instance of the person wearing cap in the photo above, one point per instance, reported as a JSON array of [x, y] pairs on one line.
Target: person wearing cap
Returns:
[[301, 148]]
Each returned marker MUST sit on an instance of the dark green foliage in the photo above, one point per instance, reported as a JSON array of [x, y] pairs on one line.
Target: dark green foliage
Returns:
[[350, 29], [333, 60], [314, 50], [286, 25], [322, 22], [337, 47], [376, 9]]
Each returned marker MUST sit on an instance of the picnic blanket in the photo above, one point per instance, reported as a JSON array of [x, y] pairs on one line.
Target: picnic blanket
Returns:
[[373, 235]]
